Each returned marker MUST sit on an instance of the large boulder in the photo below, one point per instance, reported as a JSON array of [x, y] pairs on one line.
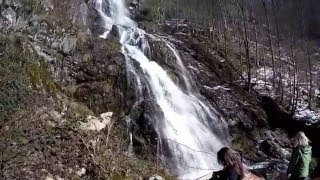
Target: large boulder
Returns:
[[114, 33], [95, 21], [144, 117], [99, 75], [68, 45]]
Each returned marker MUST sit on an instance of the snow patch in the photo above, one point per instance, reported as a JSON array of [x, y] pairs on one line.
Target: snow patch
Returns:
[[217, 88], [307, 114], [304, 113]]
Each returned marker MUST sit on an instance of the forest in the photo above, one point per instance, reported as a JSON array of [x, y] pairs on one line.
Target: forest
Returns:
[[158, 89], [280, 36]]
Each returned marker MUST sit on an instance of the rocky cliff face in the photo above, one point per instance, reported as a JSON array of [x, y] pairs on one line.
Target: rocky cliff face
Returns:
[[56, 76], [74, 74]]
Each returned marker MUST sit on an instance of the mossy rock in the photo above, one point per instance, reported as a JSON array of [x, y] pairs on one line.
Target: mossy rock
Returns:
[[21, 68], [120, 177], [13, 95]]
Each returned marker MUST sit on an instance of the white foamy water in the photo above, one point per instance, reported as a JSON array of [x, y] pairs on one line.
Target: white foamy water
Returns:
[[191, 129]]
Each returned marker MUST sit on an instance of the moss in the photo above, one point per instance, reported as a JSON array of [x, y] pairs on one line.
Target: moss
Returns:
[[14, 88], [243, 144], [20, 67], [13, 95], [114, 46], [41, 77], [120, 177], [80, 109]]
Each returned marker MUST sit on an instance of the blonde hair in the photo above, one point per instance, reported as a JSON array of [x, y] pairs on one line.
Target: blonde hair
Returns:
[[300, 140]]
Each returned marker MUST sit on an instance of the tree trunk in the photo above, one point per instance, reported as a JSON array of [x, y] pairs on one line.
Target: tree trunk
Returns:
[[255, 35], [279, 50], [294, 89], [270, 42], [225, 34], [246, 41], [306, 43], [264, 67], [310, 73], [240, 53]]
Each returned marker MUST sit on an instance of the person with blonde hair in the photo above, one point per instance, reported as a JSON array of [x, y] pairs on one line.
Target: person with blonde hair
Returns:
[[298, 168]]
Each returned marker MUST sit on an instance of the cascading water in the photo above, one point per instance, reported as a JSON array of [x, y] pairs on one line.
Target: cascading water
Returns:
[[190, 130]]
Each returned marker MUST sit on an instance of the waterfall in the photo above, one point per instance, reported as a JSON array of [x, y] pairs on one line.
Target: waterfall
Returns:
[[191, 129]]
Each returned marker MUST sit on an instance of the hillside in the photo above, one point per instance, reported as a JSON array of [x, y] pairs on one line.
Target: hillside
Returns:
[[89, 90]]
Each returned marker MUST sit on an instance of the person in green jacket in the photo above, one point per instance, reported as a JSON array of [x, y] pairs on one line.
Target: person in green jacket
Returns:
[[298, 168]]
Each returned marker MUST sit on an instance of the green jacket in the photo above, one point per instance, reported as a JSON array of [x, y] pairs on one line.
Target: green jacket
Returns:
[[300, 161]]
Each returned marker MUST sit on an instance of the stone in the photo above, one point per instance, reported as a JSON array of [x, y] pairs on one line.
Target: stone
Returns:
[[113, 70], [55, 45], [84, 13], [272, 149], [21, 23], [106, 116], [143, 119], [95, 22], [156, 177], [114, 33], [68, 45], [47, 4], [81, 172], [10, 16], [56, 116], [96, 124], [49, 177]]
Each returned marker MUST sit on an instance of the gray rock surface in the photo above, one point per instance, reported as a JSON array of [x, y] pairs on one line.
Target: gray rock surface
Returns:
[[68, 45]]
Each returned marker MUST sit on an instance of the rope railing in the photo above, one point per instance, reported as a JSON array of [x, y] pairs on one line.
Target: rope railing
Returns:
[[160, 155], [198, 151]]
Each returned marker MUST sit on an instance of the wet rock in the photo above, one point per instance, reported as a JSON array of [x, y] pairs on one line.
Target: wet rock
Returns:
[[99, 69], [95, 22], [145, 116], [84, 14], [273, 149], [166, 58], [273, 111], [114, 33]]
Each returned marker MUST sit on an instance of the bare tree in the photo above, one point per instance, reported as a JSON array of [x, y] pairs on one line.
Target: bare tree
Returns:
[[225, 30], [243, 15], [270, 41], [280, 85], [294, 89], [254, 22], [306, 44]]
